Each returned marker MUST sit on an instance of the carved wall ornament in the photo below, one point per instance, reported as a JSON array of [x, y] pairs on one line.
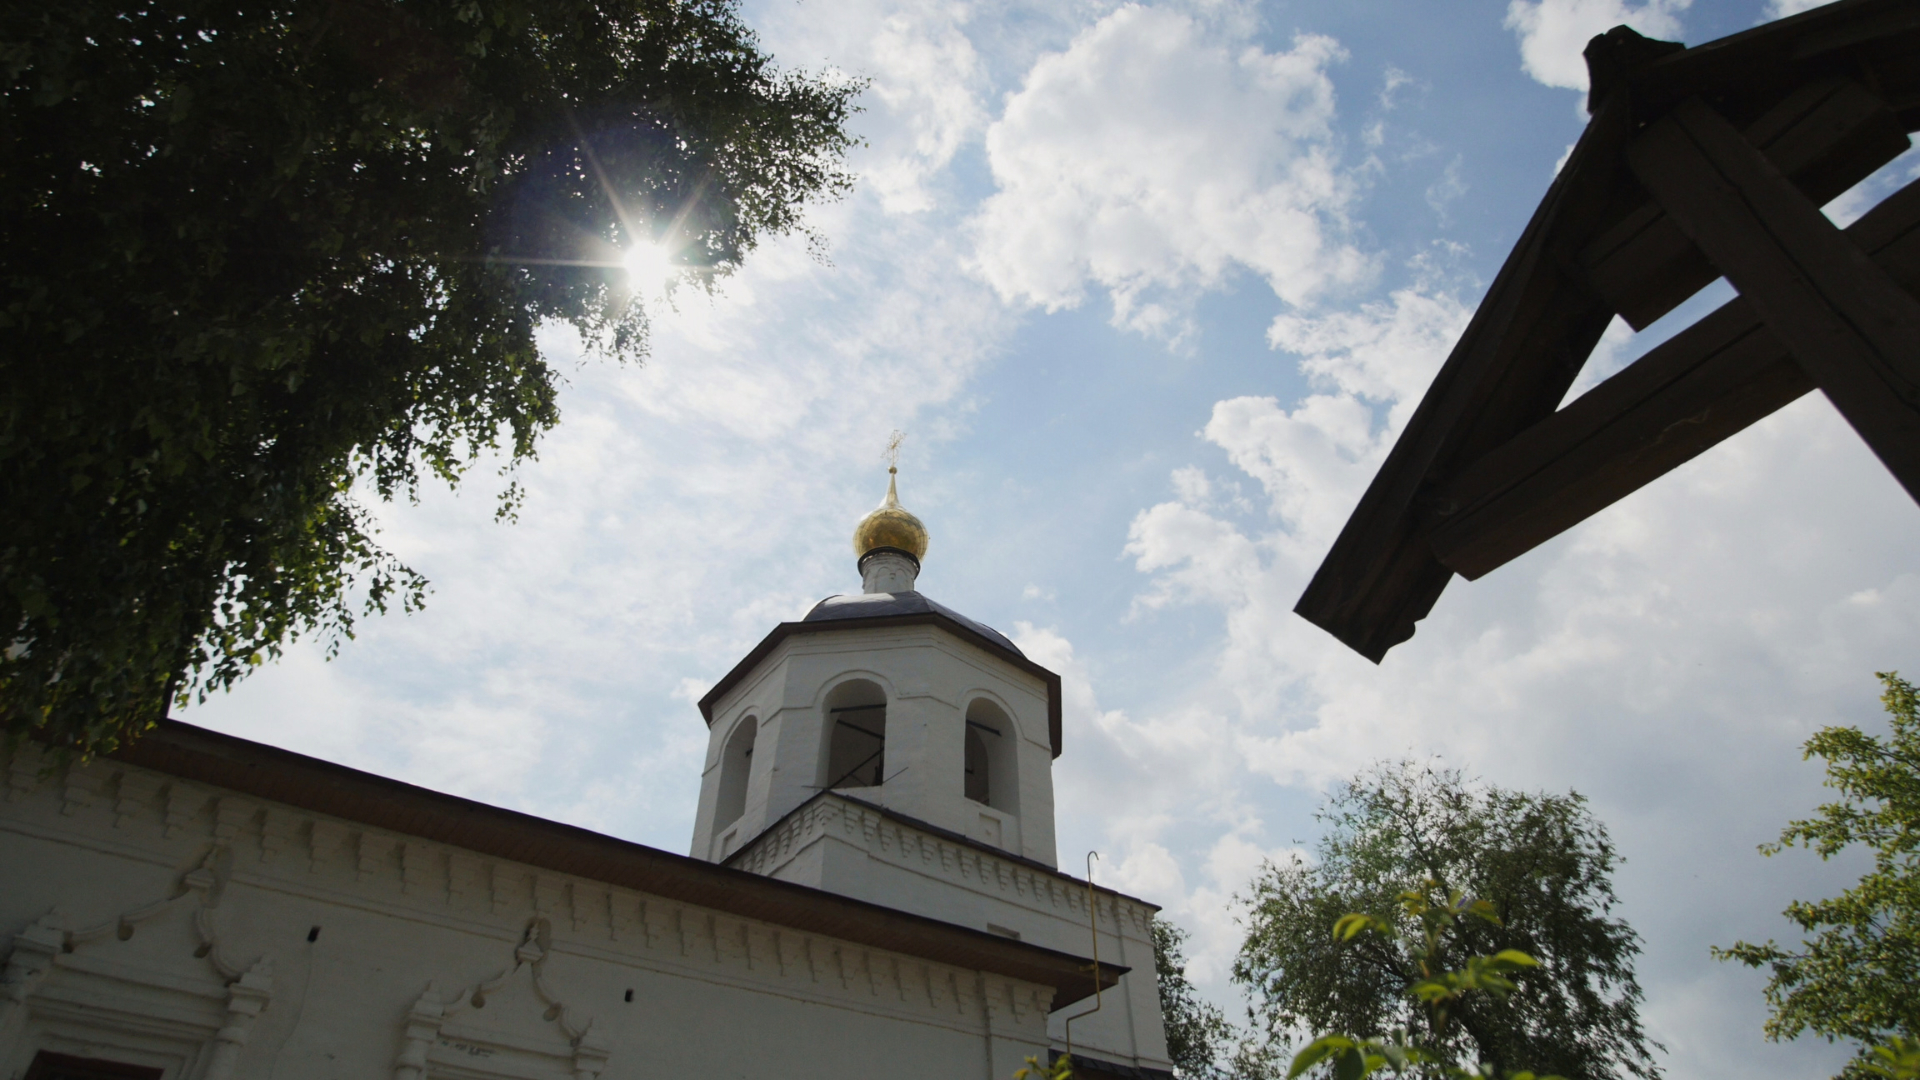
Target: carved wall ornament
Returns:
[[84, 956], [486, 1028]]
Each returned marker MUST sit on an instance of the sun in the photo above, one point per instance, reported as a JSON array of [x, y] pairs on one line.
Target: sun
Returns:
[[648, 266]]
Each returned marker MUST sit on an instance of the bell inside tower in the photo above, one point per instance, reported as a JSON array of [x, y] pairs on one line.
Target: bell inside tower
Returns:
[[857, 736]]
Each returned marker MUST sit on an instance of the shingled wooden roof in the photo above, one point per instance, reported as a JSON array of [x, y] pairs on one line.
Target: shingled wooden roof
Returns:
[[1698, 163]]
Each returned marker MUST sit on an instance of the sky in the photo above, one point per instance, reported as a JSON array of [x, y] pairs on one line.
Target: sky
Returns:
[[1152, 288]]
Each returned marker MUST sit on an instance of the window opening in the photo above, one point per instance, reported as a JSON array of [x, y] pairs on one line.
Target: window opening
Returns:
[[857, 745], [48, 1065], [977, 785], [860, 775], [736, 765], [991, 755]]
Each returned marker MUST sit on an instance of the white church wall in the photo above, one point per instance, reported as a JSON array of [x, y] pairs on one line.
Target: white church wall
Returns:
[[151, 920], [868, 855]]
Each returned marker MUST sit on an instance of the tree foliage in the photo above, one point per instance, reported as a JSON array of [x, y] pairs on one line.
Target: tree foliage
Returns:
[[1431, 923], [1541, 863], [1856, 974], [1197, 1032], [256, 258]]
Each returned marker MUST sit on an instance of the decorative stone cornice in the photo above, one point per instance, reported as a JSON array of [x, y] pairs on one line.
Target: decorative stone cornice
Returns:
[[958, 862]]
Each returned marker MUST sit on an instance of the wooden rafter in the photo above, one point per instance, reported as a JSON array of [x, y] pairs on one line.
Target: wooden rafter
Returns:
[[1848, 325], [1698, 163], [1666, 408]]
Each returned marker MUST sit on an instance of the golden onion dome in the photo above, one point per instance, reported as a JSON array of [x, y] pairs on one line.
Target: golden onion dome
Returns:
[[890, 526]]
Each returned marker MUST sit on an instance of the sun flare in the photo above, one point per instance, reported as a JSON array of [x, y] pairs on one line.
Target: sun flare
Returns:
[[648, 266]]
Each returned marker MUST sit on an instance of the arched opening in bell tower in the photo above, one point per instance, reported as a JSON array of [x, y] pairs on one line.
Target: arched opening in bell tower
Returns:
[[993, 774], [857, 735], [979, 783], [736, 764]]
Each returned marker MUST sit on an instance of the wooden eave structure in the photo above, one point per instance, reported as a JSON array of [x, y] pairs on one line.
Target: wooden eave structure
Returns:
[[1697, 164]]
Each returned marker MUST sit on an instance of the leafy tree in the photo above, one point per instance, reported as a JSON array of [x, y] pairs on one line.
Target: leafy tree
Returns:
[[259, 262], [1898, 1059], [1856, 975], [1438, 993], [1196, 1030], [1543, 867]]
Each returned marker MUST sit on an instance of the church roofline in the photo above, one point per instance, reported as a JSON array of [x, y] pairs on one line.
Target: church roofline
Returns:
[[927, 618], [267, 772], [944, 834]]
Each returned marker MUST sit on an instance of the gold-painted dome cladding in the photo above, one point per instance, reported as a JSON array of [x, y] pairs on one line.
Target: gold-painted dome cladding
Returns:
[[893, 528], [890, 526]]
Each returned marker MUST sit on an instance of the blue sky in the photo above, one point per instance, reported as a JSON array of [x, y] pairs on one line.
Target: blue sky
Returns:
[[1151, 288]]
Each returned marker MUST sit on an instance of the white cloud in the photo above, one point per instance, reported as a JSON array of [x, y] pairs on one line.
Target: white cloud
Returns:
[[1314, 460], [1553, 33], [1446, 190], [1780, 9], [1384, 351], [926, 91], [1390, 84], [1157, 155]]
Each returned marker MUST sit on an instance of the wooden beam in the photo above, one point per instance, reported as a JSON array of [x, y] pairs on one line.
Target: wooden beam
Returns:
[[1838, 37], [1694, 390], [1849, 326], [1826, 136], [1719, 376]]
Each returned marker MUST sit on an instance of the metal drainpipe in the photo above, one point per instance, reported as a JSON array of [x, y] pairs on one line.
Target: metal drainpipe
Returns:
[[1093, 931]]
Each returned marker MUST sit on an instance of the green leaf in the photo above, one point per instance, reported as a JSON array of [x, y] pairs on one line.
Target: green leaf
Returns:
[[1349, 926], [1855, 973], [1318, 1051]]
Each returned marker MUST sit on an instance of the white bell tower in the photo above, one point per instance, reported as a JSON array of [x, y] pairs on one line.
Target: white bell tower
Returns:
[[891, 699], [888, 748]]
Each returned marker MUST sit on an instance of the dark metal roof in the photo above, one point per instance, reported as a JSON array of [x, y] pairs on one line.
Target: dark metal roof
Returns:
[[891, 609], [874, 605], [267, 772]]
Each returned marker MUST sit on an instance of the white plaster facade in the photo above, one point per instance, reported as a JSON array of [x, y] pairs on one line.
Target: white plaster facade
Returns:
[[159, 922]]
